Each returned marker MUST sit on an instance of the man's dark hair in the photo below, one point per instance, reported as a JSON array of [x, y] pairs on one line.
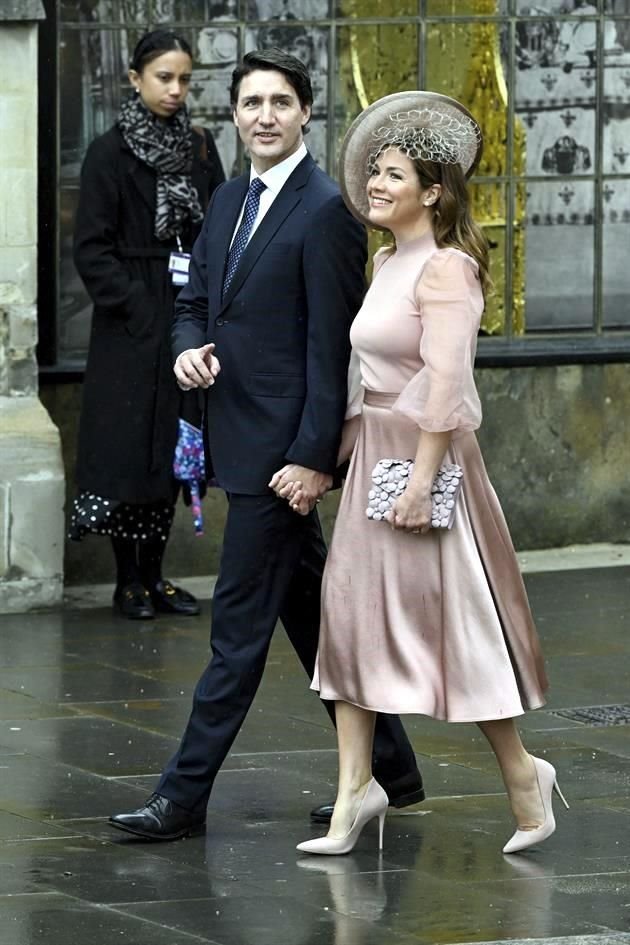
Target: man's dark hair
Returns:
[[155, 44], [274, 59]]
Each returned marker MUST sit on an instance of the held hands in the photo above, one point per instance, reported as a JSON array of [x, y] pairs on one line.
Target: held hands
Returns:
[[196, 367], [301, 487], [411, 511]]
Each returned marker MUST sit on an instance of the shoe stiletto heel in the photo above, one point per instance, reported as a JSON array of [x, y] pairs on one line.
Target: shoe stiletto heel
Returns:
[[547, 784], [374, 804], [556, 788]]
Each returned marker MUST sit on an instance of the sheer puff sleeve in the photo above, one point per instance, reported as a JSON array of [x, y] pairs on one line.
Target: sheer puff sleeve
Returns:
[[355, 386], [442, 395]]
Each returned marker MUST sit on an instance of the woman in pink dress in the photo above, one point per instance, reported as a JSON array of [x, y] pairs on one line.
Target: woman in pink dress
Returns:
[[414, 618]]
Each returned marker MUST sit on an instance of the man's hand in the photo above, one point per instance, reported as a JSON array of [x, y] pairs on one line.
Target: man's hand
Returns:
[[196, 367], [302, 487]]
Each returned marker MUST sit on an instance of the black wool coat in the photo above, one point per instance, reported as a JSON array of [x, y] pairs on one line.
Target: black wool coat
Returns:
[[131, 403]]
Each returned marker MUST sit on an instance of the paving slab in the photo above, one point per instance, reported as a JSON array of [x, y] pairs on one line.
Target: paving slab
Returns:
[[92, 705]]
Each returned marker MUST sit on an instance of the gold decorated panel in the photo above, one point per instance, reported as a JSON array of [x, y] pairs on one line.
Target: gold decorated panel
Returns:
[[372, 61], [369, 8], [463, 60], [466, 7], [488, 205]]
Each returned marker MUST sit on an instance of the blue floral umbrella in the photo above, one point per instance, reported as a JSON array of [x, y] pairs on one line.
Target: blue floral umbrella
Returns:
[[189, 467]]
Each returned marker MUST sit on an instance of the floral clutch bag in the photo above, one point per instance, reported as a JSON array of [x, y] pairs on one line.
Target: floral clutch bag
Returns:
[[390, 478]]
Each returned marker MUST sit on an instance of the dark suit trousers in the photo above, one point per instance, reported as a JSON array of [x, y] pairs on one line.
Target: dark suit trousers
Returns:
[[271, 568]]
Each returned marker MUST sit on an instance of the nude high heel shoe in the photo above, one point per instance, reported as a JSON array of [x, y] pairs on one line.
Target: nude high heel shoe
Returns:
[[547, 784], [374, 804]]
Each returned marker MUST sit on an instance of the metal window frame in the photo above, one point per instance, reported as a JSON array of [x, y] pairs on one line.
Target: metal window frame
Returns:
[[597, 344]]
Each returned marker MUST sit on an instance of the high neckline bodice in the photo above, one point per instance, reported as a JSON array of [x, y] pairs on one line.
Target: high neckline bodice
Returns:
[[420, 243]]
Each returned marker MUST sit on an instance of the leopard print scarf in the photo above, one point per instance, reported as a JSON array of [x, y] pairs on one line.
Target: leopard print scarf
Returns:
[[165, 146]]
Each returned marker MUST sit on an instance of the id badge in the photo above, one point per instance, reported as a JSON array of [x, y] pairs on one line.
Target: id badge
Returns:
[[178, 264]]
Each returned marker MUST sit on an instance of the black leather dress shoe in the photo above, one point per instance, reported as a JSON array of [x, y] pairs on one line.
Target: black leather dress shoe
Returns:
[[160, 819], [133, 601], [174, 600], [403, 792]]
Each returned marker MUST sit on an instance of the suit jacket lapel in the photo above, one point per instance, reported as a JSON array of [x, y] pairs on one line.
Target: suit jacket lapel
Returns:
[[279, 210], [222, 237]]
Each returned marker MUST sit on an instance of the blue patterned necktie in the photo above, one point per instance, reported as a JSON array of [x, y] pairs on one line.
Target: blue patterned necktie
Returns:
[[242, 234]]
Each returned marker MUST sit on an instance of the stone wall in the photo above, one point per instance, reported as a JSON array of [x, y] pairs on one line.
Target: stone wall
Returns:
[[556, 441], [31, 468], [557, 445]]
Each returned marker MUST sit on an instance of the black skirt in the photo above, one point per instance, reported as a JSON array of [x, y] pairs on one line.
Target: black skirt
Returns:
[[92, 514]]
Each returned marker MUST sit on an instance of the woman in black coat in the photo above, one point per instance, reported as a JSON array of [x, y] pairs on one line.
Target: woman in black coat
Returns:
[[144, 186]]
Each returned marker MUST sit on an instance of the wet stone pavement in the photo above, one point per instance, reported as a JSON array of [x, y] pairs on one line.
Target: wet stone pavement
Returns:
[[92, 705]]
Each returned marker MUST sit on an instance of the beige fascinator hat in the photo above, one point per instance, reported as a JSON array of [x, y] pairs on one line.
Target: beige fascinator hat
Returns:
[[423, 125]]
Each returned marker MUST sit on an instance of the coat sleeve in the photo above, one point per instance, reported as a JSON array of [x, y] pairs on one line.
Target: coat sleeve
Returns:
[[190, 325], [442, 395], [334, 257], [109, 284]]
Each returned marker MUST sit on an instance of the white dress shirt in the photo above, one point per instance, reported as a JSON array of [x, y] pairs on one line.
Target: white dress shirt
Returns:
[[274, 179]]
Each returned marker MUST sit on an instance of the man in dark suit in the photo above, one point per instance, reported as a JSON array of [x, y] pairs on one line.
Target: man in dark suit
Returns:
[[276, 278]]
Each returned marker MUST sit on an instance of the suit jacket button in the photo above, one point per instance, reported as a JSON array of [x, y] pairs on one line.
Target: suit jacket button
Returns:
[[219, 322]]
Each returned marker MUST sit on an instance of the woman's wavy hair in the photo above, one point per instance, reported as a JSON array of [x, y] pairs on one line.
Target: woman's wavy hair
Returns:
[[453, 224]]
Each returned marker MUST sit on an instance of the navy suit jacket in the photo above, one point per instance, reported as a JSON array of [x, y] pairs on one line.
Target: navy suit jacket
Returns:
[[282, 330]]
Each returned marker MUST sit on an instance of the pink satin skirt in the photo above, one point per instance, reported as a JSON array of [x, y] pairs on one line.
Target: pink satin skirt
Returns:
[[436, 624]]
